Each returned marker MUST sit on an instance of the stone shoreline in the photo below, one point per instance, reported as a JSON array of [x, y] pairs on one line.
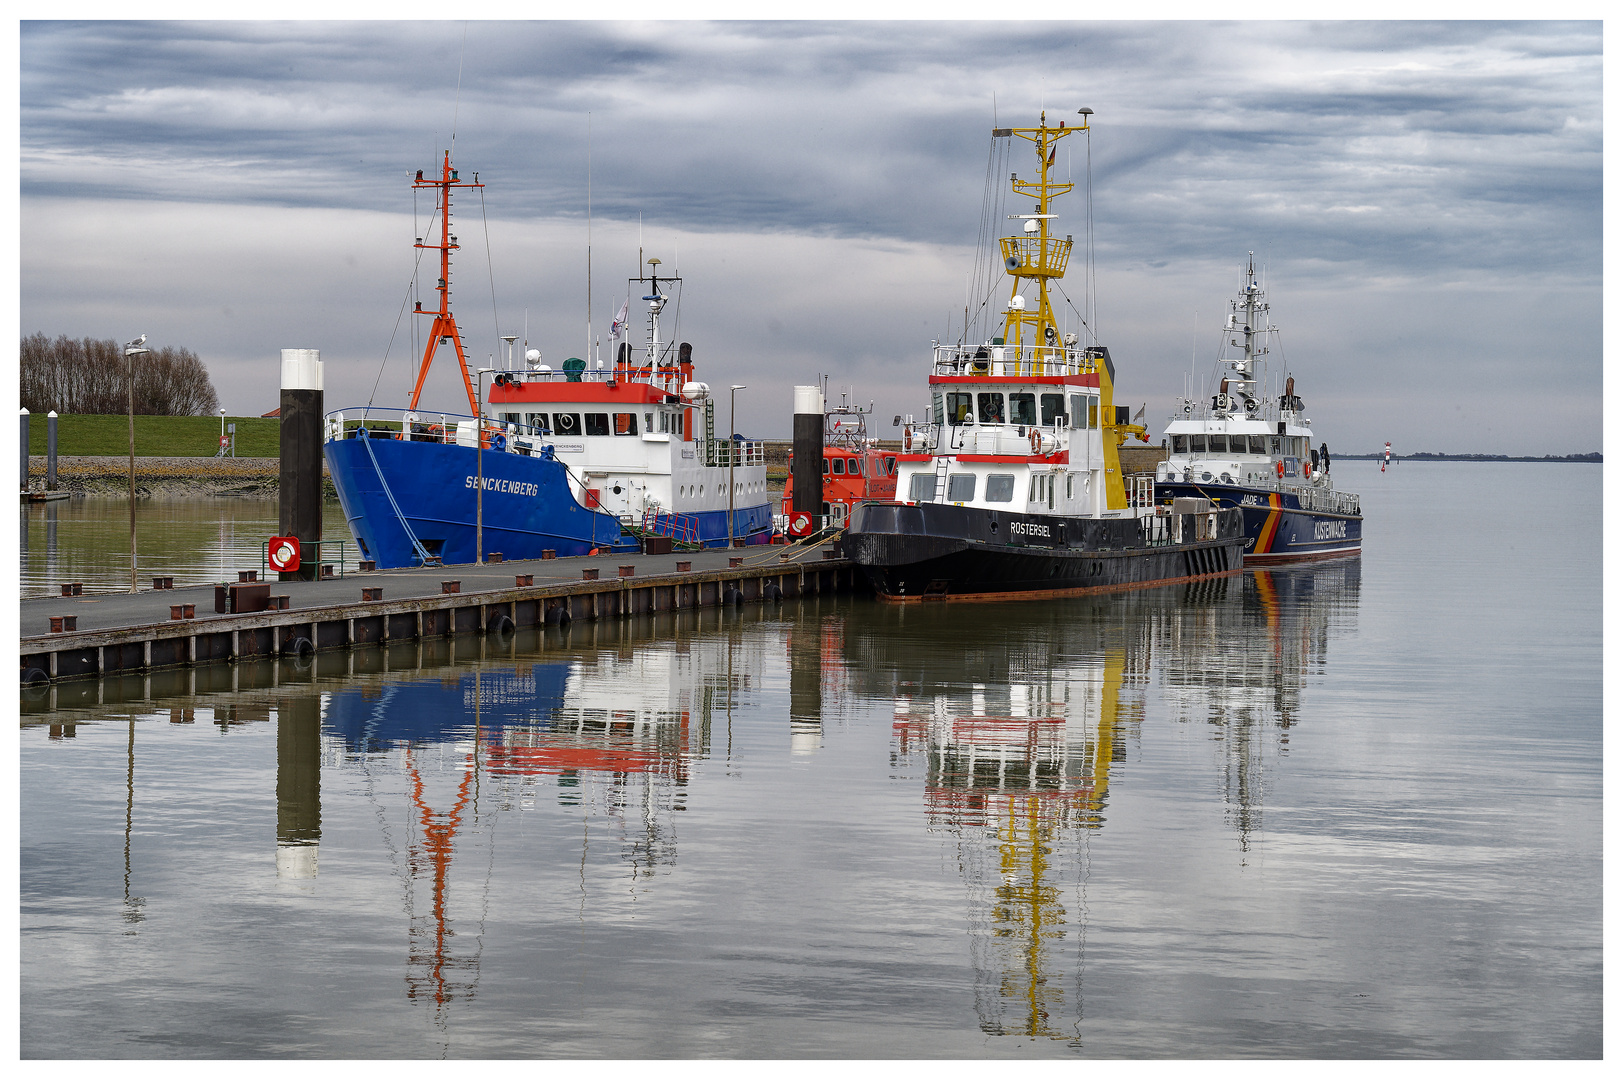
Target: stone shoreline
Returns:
[[167, 477]]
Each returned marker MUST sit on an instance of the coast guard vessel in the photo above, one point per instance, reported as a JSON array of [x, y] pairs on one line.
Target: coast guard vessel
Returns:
[[572, 461], [1013, 485], [855, 468], [1237, 449]]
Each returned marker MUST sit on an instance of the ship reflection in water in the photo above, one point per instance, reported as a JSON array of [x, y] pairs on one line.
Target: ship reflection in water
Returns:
[[492, 792], [610, 734], [1017, 762]]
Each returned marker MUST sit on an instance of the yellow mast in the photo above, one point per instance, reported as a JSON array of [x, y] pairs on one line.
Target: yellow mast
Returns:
[[1036, 256]]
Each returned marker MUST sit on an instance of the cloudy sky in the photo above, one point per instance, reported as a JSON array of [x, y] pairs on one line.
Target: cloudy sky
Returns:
[[1426, 198]]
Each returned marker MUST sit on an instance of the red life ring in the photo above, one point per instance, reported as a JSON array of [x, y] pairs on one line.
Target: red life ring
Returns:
[[907, 438], [1036, 441], [1280, 465]]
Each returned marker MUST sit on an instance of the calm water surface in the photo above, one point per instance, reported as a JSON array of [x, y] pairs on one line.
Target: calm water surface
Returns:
[[1346, 811], [195, 541]]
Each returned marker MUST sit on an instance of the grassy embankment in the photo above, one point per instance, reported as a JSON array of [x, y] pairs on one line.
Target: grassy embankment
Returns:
[[156, 436]]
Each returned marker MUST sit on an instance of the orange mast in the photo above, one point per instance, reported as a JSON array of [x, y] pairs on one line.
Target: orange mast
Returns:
[[445, 330]]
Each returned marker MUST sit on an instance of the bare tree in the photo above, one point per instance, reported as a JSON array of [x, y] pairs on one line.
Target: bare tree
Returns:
[[90, 376]]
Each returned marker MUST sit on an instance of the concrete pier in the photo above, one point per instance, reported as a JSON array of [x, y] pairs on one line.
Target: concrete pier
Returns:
[[124, 633]]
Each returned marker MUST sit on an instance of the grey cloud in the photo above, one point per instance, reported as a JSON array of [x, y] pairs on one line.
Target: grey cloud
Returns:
[[1443, 155]]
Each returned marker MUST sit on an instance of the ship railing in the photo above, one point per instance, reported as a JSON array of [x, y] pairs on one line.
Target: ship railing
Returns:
[[1011, 439], [1035, 255], [1013, 361], [1140, 491], [670, 523], [1155, 529], [452, 428], [664, 376], [1326, 500], [737, 452]]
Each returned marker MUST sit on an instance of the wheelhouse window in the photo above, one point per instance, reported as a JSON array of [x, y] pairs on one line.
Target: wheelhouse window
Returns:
[[937, 410], [1023, 409], [625, 423], [1217, 444], [1053, 408], [958, 408], [1273, 445], [961, 487], [1180, 444], [989, 407], [511, 418], [1000, 487], [839, 466], [1093, 412], [1197, 444], [921, 488], [890, 466], [568, 423], [826, 469], [1257, 446], [597, 423], [536, 420], [1079, 411]]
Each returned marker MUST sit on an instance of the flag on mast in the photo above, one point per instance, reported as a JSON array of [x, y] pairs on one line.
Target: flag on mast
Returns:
[[619, 323]]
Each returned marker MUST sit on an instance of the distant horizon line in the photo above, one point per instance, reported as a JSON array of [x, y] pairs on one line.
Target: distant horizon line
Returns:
[[1594, 456]]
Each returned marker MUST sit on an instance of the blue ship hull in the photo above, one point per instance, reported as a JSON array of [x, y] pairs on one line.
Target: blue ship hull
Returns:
[[406, 499], [1278, 527]]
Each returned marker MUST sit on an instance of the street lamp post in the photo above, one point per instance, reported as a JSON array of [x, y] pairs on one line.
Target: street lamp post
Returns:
[[132, 349], [479, 487], [732, 454]]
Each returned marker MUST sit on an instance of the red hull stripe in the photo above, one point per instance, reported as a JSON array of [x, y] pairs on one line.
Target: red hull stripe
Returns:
[[1062, 457]]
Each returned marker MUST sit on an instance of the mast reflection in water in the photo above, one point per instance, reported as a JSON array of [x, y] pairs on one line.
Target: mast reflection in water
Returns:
[[612, 733], [1155, 824], [1017, 763]]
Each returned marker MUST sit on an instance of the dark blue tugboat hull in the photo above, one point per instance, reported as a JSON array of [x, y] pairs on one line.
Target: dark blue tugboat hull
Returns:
[[938, 551]]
